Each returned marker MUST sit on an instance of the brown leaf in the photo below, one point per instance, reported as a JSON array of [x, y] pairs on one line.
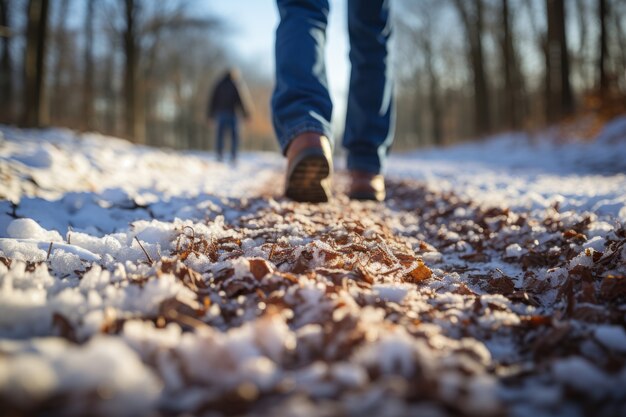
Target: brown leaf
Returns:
[[613, 287], [523, 297], [590, 313], [588, 293], [363, 274], [418, 271], [502, 285], [464, 290], [581, 273], [476, 257], [536, 321], [546, 343], [66, 329], [5, 261], [259, 267], [425, 247], [574, 235], [175, 306]]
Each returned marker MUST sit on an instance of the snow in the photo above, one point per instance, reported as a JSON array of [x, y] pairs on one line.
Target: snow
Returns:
[[139, 281], [514, 250], [29, 229], [531, 172], [582, 376], [392, 292], [117, 375], [612, 337]]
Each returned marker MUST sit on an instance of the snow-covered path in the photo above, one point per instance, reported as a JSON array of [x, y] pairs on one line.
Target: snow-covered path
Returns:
[[136, 281]]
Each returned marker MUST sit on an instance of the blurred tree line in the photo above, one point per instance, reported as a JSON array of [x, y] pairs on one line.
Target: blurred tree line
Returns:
[[142, 69], [139, 69], [469, 68]]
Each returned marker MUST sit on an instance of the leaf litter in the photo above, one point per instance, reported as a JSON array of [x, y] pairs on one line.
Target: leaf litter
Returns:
[[429, 304]]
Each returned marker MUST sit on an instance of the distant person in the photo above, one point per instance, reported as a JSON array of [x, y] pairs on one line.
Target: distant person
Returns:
[[302, 108], [226, 104]]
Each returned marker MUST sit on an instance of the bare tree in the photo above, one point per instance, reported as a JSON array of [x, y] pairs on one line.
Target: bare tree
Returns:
[[60, 46], [618, 16], [471, 13], [426, 42], [513, 80], [6, 67], [603, 80], [580, 59], [133, 111], [107, 87], [34, 112], [558, 87], [422, 35], [88, 80]]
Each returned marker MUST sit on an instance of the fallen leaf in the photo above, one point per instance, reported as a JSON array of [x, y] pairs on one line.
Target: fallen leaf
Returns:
[[259, 267]]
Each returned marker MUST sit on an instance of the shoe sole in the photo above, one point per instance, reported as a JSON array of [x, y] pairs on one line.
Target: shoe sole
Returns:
[[365, 196], [309, 179]]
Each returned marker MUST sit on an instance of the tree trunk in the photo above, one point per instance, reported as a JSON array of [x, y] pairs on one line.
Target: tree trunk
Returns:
[[134, 123], [110, 117], [558, 87], [59, 45], [603, 80], [474, 28], [617, 16], [510, 111], [513, 94], [34, 112], [583, 47], [433, 94], [480, 78], [6, 67], [88, 81]]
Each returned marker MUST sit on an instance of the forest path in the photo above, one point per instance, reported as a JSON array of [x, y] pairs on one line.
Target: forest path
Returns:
[[165, 300]]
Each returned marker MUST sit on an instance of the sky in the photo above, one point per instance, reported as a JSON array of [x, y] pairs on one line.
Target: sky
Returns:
[[250, 37]]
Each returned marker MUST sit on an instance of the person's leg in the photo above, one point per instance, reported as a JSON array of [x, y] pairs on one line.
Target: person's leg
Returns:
[[300, 102], [369, 118], [219, 136], [301, 105], [234, 130]]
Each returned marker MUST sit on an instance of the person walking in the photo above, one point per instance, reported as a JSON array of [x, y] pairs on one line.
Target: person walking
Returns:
[[302, 108], [226, 104]]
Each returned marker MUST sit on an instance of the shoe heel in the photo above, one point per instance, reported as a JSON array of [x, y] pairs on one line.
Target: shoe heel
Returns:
[[309, 179]]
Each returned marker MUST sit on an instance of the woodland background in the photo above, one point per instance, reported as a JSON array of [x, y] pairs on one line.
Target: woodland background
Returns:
[[142, 69]]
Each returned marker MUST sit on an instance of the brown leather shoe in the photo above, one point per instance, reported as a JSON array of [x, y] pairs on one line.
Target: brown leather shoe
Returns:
[[309, 168], [366, 186]]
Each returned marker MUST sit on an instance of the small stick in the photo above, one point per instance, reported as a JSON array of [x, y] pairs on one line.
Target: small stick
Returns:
[[142, 248], [49, 251], [391, 271]]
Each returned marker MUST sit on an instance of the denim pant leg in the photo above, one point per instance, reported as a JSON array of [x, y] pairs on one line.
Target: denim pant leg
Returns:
[[370, 113], [301, 102], [234, 131], [219, 137]]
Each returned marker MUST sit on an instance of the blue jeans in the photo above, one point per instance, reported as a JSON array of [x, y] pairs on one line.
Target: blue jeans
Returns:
[[301, 102], [227, 122]]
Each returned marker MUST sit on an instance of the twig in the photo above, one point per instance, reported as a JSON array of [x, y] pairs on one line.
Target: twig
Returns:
[[391, 271], [193, 232], [142, 248], [49, 251]]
